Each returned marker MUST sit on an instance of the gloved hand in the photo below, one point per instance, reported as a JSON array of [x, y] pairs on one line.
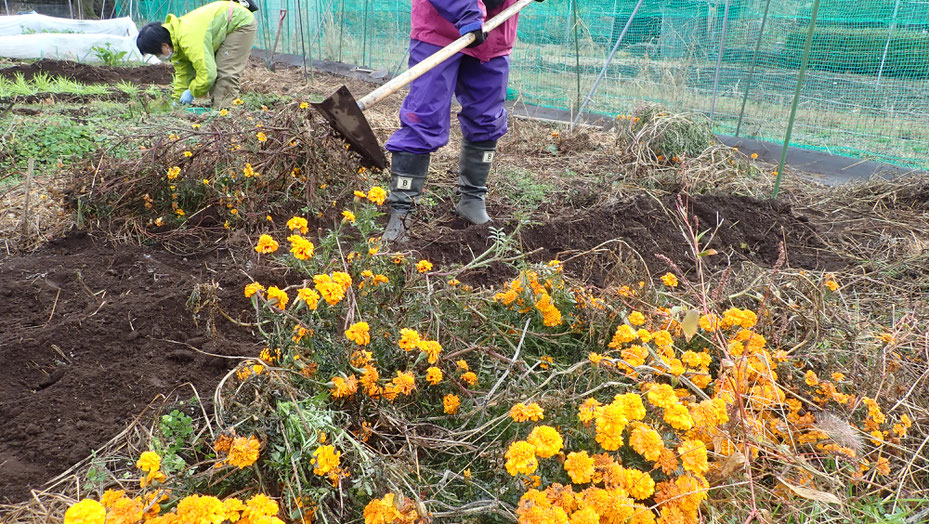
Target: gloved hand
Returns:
[[479, 37], [187, 97]]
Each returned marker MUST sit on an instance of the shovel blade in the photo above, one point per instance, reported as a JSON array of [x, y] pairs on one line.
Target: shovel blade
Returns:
[[346, 118]]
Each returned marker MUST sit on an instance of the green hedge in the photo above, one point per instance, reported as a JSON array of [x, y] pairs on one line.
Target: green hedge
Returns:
[[850, 50]]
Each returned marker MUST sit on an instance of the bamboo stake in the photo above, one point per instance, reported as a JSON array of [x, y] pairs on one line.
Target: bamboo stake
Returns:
[[793, 106], [29, 171]]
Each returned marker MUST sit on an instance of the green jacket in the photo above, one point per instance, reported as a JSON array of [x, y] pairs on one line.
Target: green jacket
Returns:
[[195, 38]]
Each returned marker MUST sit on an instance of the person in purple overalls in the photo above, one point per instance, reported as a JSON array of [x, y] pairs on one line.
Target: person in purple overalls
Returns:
[[477, 77]]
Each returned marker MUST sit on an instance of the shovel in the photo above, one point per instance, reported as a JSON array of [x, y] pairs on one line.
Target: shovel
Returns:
[[280, 24], [344, 113]]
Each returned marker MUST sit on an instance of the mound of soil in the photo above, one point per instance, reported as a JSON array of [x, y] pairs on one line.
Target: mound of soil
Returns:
[[160, 74], [741, 229], [83, 338]]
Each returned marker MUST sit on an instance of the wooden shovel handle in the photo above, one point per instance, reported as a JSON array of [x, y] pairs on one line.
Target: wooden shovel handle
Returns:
[[437, 58]]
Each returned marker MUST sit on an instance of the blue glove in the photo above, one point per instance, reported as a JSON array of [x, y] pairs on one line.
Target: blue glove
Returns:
[[187, 97]]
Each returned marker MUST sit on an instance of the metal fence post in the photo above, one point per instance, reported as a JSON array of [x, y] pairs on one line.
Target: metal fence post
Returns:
[[793, 106], [893, 25]]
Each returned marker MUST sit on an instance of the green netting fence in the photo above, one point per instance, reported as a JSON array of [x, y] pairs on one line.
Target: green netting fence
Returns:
[[865, 93]]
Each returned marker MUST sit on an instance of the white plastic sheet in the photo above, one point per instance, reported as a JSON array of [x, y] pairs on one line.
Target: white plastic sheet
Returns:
[[36, 23], [74, 47]]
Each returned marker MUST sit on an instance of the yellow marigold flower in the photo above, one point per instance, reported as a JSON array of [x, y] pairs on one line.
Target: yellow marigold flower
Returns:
[[330, 291], [611, 421], [237, 102], [470, 378], [377, 195], [586, 515], [296, 223], [595, 358], [310, 297], [451, 403], [662, 339], [243, 452], [149, 462], [279, 296], [301, 248], [433, 375], [832, 285], [636, 318], [623, 335], [260, 509], [632, 405], [678, 417], [86, 512], [359, 194], [409, 339], [304, 105], [359, 333], [754, 156], [638, 484], [405, 382], [546, 440], [580, 467], [669, 280], [382, 511], [343, 279], [110, 496], [432, 349], [646, 442], [195, 126], [520, 458], [188, 154], [348, 216], [462, 365], [588, 410], [266, 245], [551, 316], [248, 171], [232, 507], [223, 112], [811, 379], [325, 460], [423, 266], [693, 456], [662, 396], [521, 412], [342, 387], [709, 322]]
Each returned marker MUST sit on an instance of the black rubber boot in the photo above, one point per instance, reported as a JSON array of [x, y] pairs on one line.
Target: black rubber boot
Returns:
[[473, 169], [407, 178]]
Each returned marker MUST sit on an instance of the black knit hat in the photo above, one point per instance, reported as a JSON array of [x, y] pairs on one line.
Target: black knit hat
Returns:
[[151, 37]]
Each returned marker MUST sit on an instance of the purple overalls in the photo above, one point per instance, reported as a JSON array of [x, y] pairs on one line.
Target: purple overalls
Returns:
[[477, 77]]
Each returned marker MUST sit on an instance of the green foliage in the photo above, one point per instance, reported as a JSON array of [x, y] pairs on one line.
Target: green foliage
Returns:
[[109, 56], [49, 139], [176, 434], [862, 51]]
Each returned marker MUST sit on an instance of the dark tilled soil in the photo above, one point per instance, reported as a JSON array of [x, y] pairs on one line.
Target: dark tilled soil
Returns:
[[82, 341], [748, 230], [160, 74]]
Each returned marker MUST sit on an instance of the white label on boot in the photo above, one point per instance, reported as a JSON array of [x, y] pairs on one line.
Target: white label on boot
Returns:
[[404, 182], [488, 157]]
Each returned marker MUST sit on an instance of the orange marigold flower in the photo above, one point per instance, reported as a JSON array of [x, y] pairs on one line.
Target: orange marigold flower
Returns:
[[636, 318], [405, 382], [309, 296], [279, 296], [669, 280], [423, 266], [409, 339], [266, 245], [342, 387], [520, 458], [647, 442], [547, 441], [243, 451], [325, 460], [580, 467], [149, 462], [451, 403], [433, 375], [253, 288], [298, 223], [377, 195], [521, 412], [359, 333], [693, 456], [432, 349], [470, 378]]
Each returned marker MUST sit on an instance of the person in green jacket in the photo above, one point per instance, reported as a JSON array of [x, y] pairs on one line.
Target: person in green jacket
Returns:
[[209, 48]]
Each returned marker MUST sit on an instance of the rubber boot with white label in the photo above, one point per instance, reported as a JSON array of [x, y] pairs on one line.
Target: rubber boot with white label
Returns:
[[407, 178], [473, 169]]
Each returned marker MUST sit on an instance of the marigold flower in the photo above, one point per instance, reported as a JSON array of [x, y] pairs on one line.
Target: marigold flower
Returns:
[[610, 422], [405, 382], [588, 410], [470, 378], [279, 296], [342, 387], [693, 456], [432, 349], [551, 316], [462, 365], [678, 417], [382, 511], [832, 285], [298, 223], [520, 458], [249, 171], [348, 216], [359, 333], [547, 441], [636, 318], [662, 339], [188, 154], [409, 339], [521, 412], [451, 403], [586, 515], [647, 442], [423, 266], [580, 467], [343, 279], [595, 358], [325, 460], [377, 195], [266, 245], [232, 507], [173, 172], [309, 296], [669, 280], [662, 396], [149, 462], [433, 375], [243, 451], [632, 405], [85, 512]]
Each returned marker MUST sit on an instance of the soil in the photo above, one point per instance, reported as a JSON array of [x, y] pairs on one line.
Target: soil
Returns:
[[160, 74], [748, 230], [84, 330]]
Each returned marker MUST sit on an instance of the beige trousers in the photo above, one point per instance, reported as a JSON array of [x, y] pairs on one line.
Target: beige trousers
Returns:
[[231, 59]]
